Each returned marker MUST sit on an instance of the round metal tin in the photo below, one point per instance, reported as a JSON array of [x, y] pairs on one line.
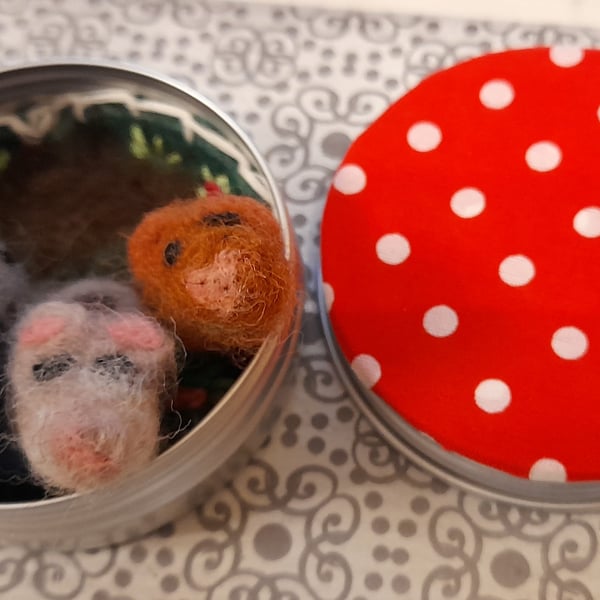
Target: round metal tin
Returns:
[[198, 464]]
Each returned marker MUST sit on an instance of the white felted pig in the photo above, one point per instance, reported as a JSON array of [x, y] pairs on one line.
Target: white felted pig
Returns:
[[88, 376]]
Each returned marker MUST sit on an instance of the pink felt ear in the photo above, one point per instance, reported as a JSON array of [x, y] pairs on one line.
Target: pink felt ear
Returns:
[[41, 330], [137, 333]]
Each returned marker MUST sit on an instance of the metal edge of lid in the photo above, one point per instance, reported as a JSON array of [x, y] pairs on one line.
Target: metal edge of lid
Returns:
[[93, 519], [461, 472]]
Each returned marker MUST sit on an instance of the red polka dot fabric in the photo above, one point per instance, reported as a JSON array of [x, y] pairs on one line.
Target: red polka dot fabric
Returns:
[[461, 260]]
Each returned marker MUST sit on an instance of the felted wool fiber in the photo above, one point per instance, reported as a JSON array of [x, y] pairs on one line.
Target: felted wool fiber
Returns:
[[216, 267], [87, 387], [99, 293]]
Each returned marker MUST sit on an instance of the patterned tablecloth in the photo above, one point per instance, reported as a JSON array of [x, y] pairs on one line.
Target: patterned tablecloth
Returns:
[[325, 510]]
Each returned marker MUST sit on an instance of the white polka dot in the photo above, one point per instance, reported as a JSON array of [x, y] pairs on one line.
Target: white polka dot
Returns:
[[440, 321], [492, 396], [570, 343], [392, 248], [467, 202], [566, 56], [424, 136], [328, 295], [548, 469], [543, 156], [367, 369], [587, 222], [516, 270], [350, 179], [497, 94]]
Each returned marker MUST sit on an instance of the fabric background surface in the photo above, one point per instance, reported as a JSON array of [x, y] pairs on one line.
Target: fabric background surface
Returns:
[[326, 510]]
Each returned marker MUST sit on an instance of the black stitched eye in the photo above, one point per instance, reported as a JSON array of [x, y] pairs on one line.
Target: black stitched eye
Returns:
[[172, 252], [52, 367], [225, 218], [114, 365], [7, 257]]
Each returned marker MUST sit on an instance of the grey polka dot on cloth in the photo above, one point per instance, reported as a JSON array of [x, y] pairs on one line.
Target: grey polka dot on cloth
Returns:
[[373, 581], [380, 525], [419, 505], [380, 553], [316, 445], [164, 557], [400, 584], [345, 414], [373, 500], [407, 528], [510, 568], [169, 583], [299, 221], [338, 457], [123, 577], [319, 421], [289, 439], [273, 541], [336, 144], [358, 476], [399, 556], [138, 553], [292, 421]]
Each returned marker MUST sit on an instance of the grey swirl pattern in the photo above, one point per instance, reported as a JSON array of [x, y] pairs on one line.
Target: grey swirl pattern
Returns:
[[309, 494], [244, 55], [192, 14]]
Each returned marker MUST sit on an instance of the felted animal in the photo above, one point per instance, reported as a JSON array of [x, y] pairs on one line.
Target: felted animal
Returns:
[[216, 267], [87, 382]]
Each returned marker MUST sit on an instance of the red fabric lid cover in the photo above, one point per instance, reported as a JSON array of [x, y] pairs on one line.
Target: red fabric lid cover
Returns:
[[461, 260]]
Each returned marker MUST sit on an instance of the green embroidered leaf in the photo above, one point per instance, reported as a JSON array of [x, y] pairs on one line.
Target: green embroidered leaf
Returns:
[[205, 173], [4, 159], [138, 145], [223, 182], [158, 145], [173, 158]]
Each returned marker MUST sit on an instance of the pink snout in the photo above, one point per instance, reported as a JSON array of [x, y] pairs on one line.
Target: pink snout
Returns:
[[80, 453], [215, 285]]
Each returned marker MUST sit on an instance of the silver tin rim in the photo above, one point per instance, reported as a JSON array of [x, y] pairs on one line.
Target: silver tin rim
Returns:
[[459, 471], [202, 461]]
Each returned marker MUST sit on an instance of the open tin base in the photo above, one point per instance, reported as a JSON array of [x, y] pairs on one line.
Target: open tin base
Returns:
[[162, 122]]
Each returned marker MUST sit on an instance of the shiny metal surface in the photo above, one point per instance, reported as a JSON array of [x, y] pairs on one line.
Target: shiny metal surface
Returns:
[[189, 471]]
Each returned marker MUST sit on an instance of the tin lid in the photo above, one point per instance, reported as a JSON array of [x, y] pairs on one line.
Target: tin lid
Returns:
[[460, 261]]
